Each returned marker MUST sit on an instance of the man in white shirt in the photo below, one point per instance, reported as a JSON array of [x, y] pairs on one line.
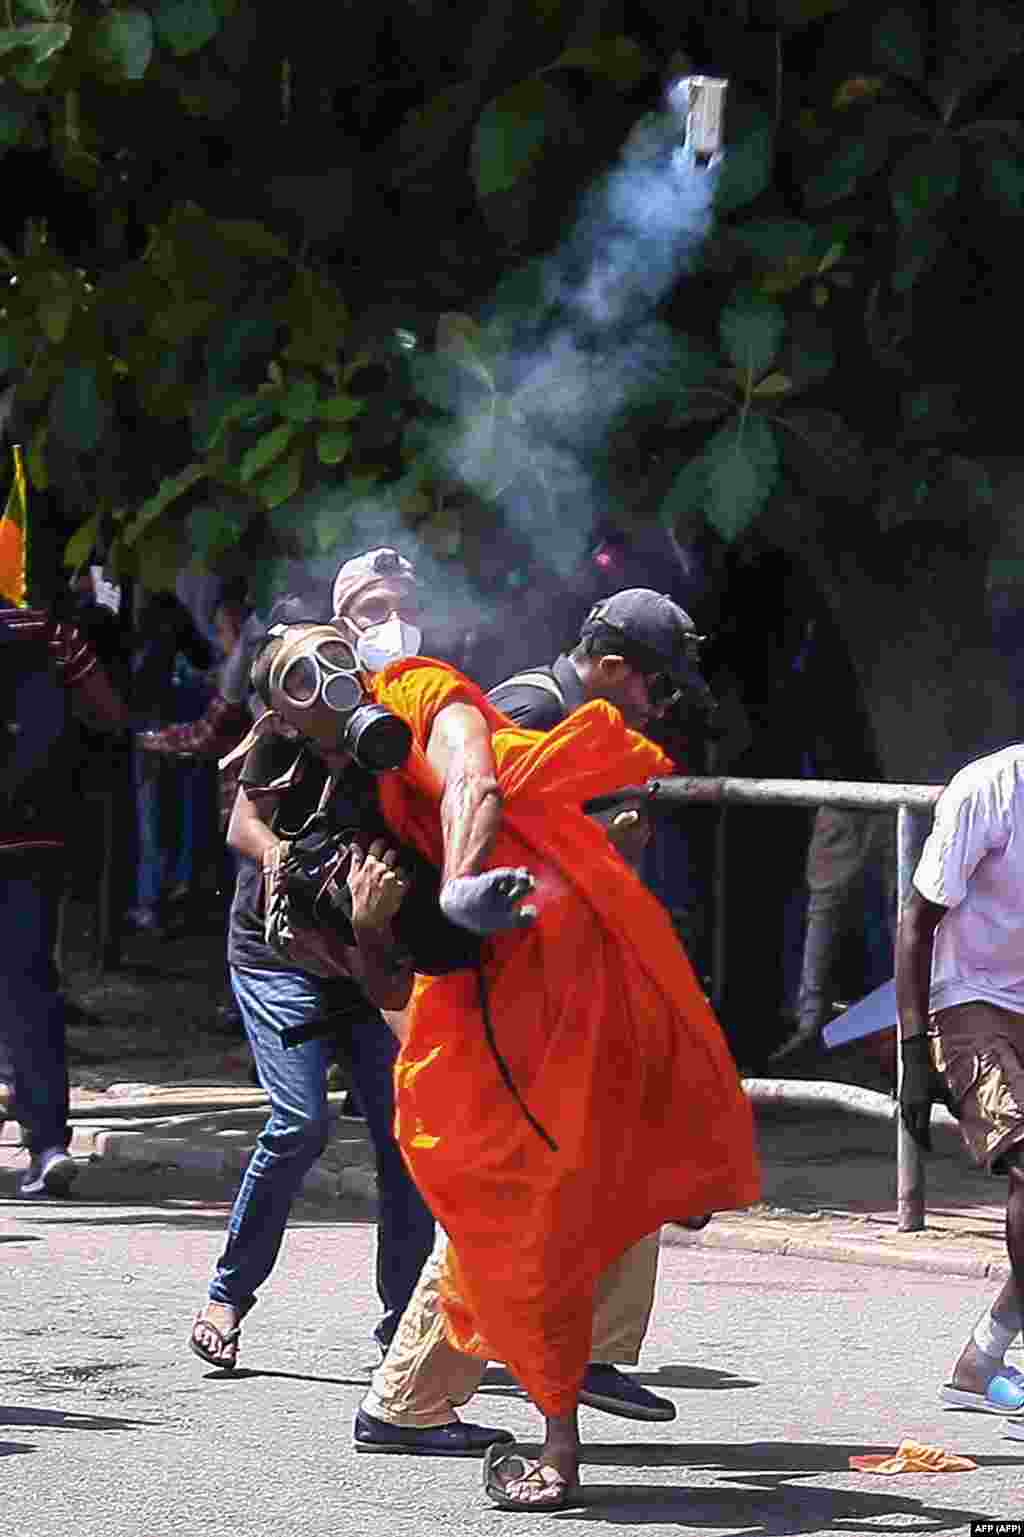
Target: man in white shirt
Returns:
[[960, 992]]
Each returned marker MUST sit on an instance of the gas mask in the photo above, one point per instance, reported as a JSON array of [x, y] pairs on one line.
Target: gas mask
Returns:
[[317, 685]]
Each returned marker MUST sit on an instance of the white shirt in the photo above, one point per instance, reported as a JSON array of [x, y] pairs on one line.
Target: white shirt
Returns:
[[973, 864]]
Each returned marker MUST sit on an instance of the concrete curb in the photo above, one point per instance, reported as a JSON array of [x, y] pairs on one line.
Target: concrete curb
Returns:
[[841, 1251]]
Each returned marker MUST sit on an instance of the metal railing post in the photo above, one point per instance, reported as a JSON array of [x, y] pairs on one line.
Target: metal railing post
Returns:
[[911, 832]]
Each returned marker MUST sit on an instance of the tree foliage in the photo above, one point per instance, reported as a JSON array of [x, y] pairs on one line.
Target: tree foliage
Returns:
[[242, 274]]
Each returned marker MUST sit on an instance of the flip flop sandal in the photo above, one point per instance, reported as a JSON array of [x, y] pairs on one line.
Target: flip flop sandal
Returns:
[[228, 1337], [528, 1470], [1004, 1395]]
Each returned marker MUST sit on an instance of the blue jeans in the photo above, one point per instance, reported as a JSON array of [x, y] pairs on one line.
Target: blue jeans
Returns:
[[32, 1034], [295, 1080]]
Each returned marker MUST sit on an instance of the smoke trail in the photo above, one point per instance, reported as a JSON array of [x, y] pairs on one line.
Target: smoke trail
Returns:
[[590, 346]]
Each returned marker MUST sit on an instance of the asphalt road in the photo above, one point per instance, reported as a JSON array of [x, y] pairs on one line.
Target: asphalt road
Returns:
[[780, 1368]]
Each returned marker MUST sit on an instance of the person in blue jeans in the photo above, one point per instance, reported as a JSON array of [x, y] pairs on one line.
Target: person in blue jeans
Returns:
[[296, 1006], [47, 668]]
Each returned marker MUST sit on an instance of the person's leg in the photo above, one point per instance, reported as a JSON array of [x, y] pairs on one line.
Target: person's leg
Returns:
[[295, 1080], [405, 1226], [622, 1311], [977, 1049], [32, 1017], [983, 1357], [148, 868], [414, 1392]]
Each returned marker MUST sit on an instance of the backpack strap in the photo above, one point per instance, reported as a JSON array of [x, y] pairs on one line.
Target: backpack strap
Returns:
[[542, 680]]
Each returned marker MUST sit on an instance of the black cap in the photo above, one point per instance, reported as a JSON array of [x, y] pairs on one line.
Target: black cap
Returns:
[[653, 629]]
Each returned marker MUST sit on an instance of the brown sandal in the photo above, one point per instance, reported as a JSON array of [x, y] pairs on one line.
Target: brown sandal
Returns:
[[224, 1338], [518, 1468]]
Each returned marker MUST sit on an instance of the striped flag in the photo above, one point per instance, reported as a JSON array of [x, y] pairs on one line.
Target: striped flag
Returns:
[[14, 537]]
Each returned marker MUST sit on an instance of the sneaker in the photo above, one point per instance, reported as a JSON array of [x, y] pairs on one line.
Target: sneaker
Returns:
[[145, 921], [50, 1173], [605, 1387]]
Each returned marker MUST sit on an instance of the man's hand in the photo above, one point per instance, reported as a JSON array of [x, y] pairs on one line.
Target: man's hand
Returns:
[[916, 1090], [377, 886], [487, 904], [629, 833]]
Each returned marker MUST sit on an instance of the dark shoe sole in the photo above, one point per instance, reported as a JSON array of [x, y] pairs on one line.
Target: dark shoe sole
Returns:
[[625, 1410]]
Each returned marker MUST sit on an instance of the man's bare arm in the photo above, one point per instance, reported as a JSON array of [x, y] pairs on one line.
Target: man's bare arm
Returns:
[[915, 943], [249, 833], [460, 752], [97, 703]]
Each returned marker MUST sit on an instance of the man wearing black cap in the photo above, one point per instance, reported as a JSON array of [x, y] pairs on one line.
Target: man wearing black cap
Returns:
[[638, 651]]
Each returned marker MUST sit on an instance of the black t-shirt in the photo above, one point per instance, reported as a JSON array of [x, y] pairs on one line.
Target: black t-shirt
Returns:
[[536, 706], [352, 804]]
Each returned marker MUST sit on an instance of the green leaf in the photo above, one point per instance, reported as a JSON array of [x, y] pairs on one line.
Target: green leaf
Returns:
[[42, 10], [266, 449], [122, 44], [184, 26], [810, 354], [252, 237], [79, 546], [333, 445], [839, 177], [10, 352], [79, 413], [510, 134], [773, 384], [1004, 182], [747, 168], [775, 241], [751, 328], [916, 253], [214, 527], [619, 60], [898, 41], [825, 452], [55, 316], [183, 320], [168, 491], [741, 469], [161, 553], [42, 40], [924, 180], [14, 120], [299, 402], [282, 482], [340, 408]]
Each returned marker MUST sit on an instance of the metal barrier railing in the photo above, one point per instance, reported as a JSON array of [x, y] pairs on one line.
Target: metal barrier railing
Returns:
[[912, 803]]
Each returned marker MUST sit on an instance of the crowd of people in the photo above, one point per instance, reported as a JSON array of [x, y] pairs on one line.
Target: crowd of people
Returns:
[[416, 878]]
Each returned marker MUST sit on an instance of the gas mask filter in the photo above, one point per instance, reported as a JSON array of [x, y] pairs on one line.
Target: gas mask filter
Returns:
[[316, 677]]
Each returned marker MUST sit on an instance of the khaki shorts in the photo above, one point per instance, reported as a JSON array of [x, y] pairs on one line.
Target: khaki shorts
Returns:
[[977, 1049]]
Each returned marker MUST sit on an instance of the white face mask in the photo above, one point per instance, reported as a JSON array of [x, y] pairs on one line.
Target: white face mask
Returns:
[[387, 642]]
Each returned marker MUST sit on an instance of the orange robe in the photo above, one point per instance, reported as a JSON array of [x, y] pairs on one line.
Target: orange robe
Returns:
[[607, 1034]]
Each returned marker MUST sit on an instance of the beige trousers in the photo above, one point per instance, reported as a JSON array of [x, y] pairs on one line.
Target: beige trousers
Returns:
[[422, 1380]]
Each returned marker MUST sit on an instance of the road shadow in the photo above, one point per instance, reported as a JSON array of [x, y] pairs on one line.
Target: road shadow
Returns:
[[60, 1419], [761, 1500], [20, 1238], [14, 1448], [498, 1383], [70, 1212], [246, 1373], [778, 1509], [788, 1459]]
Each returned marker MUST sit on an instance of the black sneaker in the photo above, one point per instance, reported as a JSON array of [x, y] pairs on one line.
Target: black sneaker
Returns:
[[605, 1387], [52, 1172]]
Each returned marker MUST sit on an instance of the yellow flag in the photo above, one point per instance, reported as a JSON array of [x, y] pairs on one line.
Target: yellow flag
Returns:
[[14, 537]]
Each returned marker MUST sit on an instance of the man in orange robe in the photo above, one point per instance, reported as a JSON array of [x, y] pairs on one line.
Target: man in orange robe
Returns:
[[577, 1092]]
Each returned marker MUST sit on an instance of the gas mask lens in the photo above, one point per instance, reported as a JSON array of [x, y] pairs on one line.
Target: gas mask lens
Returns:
[[328, 670]]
